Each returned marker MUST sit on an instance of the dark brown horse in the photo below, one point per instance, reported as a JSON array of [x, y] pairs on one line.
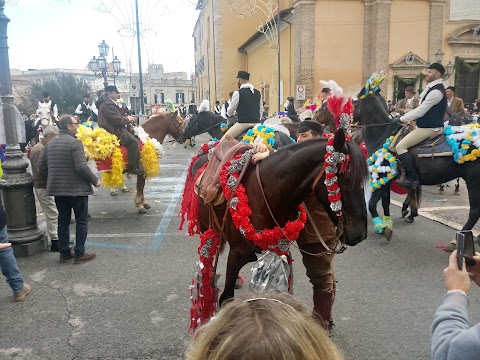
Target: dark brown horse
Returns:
[[157, 127], [325, 117], [291, 170]]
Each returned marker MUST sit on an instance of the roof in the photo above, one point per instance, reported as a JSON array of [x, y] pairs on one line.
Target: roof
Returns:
[[283, 14]]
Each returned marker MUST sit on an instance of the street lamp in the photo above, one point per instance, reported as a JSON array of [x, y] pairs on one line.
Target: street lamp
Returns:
[[99, 65], [17, 185], [448, 68]]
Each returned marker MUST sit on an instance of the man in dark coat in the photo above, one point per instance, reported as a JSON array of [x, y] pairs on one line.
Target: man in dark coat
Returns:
[[291, 112], [111, 119], [69, 180]]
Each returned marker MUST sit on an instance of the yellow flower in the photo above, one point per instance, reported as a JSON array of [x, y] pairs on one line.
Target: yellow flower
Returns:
[[149, 160]]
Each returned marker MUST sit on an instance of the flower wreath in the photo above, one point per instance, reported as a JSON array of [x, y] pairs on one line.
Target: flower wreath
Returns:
[[276, 239], [372, 85], [266, 134], [375, 166], [464, 141]]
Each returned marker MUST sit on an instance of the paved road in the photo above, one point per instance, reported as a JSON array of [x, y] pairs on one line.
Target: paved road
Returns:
[[132, 302]]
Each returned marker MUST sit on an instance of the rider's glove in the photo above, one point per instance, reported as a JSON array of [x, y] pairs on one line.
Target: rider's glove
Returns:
[[396, 119]]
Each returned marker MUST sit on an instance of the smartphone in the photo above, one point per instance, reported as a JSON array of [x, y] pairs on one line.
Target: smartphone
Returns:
[[465, 248]]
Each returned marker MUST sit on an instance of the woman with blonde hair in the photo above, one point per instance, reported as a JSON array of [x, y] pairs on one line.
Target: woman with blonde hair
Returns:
[[269, 327]]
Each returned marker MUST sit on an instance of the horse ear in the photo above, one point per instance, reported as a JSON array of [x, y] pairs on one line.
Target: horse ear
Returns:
[[339, 141]]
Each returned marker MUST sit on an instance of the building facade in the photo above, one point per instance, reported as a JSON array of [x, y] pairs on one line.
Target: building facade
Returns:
[[342, 40], [159, 85]]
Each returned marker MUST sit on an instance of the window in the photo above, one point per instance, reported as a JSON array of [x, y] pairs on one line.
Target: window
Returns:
[[195, 43], [180, 96], [162, 98], [466, 84], [155, 98]]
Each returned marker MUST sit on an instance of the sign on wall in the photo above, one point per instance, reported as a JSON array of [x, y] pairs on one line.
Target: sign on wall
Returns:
[[300, 92], [464, 10]]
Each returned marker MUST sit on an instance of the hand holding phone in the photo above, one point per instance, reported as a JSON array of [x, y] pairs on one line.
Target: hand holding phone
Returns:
[[465, 248]]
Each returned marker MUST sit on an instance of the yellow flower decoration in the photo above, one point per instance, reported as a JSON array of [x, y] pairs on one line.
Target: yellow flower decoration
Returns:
[[149, 160], [114, 178]]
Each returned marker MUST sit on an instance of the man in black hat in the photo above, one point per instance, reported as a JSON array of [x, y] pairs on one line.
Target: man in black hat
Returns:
[[111, 119], [428, 117], [408, 103], [319, 268], [247, 102], [53, 107]]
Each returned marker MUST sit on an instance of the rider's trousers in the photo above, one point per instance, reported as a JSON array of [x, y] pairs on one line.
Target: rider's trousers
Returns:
[[131, 143], [238, 128], [413, 138]]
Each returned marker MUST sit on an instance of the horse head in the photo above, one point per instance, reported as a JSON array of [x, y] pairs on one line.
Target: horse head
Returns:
[[351, 183], [44, 113], [205, 121], [159, 125], [175, 128]]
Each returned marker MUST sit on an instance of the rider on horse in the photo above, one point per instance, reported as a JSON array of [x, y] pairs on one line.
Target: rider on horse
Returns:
[[111, 119], [429, 119], [53, 106], [319, 268], [247, 102]]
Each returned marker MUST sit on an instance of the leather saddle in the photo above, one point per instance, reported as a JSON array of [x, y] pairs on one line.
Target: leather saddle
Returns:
[[435, 145], [208, 184]]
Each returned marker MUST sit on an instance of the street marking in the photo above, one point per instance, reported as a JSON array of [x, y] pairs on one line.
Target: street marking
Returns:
[[115, 246], [438, 219], [145, 235], [445, 208], [167, 217]]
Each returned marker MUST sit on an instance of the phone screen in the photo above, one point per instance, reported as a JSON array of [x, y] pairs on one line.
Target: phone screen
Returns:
[[460, 246]]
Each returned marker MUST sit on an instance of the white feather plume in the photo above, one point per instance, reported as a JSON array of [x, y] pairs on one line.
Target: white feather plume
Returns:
[[336, 90]]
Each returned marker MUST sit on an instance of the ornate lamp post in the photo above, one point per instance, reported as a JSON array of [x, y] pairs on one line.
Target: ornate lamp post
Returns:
[[99, 65], [448, 68], [17, 185]]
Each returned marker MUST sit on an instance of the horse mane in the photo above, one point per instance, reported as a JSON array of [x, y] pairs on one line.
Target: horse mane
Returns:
[[156, 117], [375, 106]]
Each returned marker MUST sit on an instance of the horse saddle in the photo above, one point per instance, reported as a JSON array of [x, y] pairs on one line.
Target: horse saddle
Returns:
[[208, 184], [436, 145]]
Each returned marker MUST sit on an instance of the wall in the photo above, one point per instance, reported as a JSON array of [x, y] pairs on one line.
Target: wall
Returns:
[[339, 43]]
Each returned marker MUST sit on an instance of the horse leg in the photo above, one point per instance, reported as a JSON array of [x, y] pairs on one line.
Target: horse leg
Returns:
[[413, 198], [457, 187], [139, 198], [378, 225], [387, 220], [236, 261], [405, 207]]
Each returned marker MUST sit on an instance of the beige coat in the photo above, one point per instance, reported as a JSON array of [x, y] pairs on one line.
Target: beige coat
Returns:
[[402, 106]]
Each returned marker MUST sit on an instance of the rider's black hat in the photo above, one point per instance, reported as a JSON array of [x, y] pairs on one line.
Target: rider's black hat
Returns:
[[111, 88], [410, 89], [46, 94], [437, 66], [243, 75], [326, 90], [308, 125]]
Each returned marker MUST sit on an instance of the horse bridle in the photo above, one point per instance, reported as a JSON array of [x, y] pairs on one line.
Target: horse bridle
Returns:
[[206, 130]]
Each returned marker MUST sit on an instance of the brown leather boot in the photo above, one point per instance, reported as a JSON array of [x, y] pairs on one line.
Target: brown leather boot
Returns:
[[83, 258], [322, 307]]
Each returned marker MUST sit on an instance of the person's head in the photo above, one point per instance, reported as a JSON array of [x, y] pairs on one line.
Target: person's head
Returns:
[[49, 133], [291, 100], [272, 326], [68, 123], [324, 94], [243, 77], [309, 129], [217, 102], [192, 102], [100, 93], [409, 92], [86, 98], [434, 72], [450, 92], [389, 102], [204, 106], [182, 105], [46, 96], [112, 92]]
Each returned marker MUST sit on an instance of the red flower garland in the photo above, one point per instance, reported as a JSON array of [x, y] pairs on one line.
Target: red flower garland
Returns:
[[268, 239], [203, 296], [332, 159]]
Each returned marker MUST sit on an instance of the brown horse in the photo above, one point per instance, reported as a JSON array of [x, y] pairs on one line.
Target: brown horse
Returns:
[[325, 117], [291, 170], [157, 127]]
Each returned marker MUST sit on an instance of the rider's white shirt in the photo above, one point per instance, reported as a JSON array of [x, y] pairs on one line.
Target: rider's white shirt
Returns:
[[223, 113], [78, 110], [426, 102]]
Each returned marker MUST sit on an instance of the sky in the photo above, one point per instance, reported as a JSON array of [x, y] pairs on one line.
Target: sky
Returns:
[[46, 34]]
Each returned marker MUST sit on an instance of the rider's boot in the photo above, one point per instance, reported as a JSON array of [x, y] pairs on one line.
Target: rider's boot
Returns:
[[411, 178], [322, 307]]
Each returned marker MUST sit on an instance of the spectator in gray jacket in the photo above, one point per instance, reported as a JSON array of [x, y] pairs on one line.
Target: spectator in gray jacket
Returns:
[[452, 337], [69, 180]]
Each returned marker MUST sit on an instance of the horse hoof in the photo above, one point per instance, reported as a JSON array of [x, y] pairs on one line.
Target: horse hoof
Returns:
[[404, 213], [113, 193], [388, 234], [125, 190], [409, 220], [456, 192], [147, 206], [142, 210]]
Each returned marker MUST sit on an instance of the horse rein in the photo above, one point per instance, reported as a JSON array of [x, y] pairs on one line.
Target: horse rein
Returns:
[[317, 232], [206, 130]]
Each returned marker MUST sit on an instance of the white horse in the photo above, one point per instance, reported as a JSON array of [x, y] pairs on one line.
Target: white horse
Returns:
[[44, 113]]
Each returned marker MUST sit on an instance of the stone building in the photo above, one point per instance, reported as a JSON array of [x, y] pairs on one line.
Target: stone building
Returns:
[[343, 40], [158, 85]]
